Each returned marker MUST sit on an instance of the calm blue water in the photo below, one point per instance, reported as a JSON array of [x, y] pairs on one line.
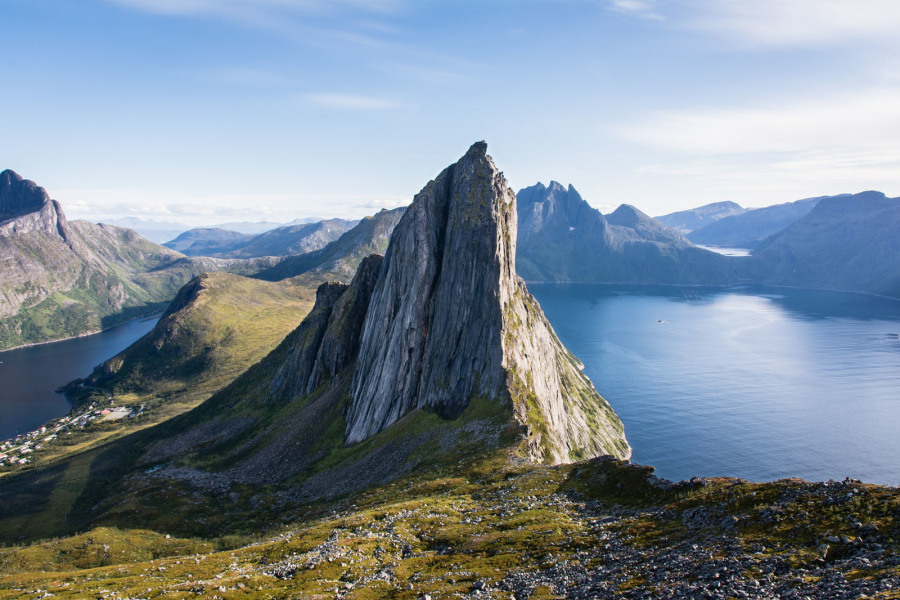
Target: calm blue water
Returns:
[[754, 383], [29, 376]]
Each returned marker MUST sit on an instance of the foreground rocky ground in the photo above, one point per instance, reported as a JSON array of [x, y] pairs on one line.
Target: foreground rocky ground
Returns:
[[600, 529]]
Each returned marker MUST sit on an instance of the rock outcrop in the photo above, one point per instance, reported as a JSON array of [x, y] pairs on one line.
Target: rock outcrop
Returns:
[[328, 338], [25, 208], [449, 321]]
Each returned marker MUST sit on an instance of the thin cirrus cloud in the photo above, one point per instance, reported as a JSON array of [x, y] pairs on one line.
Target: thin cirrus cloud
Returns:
[[290, 18], [352, 102], [195, 210], [238, 8], [863, 120], [645, 9], [799, 22], [776, 22]]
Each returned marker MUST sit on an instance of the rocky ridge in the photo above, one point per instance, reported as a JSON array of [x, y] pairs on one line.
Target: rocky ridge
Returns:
[[61, 278], [597, 529]]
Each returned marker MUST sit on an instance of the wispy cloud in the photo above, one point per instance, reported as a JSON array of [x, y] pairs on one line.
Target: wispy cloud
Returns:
[[352, 102], [865, 120], [796, 22], [238, 8], [645, 9], [775, 22], [844, 143], [311, 21]]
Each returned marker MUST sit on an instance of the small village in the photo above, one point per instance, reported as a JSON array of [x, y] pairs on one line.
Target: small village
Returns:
[[19, 451]]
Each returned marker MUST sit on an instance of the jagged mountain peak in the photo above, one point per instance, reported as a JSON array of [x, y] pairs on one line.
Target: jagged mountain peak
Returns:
[[19, 197], [428, 331], [450, 321], [557, 208], [26, 208], [434, 353]]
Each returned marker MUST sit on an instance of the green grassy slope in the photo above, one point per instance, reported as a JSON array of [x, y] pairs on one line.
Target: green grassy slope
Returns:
[[592, 529], [222, 326]]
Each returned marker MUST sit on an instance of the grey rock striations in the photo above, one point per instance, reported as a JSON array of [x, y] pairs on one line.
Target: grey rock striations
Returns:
[[327, 340], [432, 336], [291, 380], [450, 321], [340, 343]]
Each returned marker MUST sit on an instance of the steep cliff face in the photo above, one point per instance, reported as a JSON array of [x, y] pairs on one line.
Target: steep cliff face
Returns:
[[328, 338], [450, 321], [26, 208]]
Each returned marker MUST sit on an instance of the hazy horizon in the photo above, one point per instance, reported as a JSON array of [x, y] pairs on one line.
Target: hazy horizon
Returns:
[[207, 112]]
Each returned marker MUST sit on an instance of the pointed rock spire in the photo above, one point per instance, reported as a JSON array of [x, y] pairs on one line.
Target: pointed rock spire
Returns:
[[449, 320]]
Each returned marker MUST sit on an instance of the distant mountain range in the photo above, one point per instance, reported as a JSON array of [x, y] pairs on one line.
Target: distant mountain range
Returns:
[[165, 231], [339, 259], [562, 238], [751, 227], [847, 242], [208, 241], [287, 240], [692, 219], [62, 278]]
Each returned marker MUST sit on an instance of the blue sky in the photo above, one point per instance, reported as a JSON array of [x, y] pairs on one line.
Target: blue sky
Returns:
[[205, 111]]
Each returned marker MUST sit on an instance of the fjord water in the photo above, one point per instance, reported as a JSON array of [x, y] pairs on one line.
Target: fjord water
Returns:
[[754, 383], [29, 376]]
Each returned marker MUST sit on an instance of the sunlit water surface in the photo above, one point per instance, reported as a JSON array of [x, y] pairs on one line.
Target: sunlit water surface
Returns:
[[754, 383]]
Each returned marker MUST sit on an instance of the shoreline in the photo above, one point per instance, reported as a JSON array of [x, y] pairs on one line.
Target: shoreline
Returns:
[[82, 335]]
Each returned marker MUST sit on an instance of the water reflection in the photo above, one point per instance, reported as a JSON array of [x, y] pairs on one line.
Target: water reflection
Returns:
[[752, 382]]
